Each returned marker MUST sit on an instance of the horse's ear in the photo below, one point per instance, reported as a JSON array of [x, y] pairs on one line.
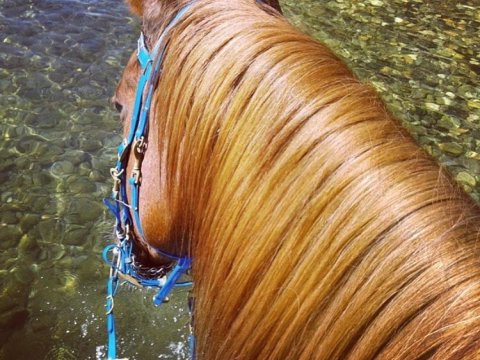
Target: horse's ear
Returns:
[[274, 4], [136, 6]]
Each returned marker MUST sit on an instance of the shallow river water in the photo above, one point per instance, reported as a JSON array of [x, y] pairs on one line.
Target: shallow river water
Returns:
[[59, 64]]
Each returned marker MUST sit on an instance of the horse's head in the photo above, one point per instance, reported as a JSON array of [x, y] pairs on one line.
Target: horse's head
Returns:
[[154, 207], [158, 208]]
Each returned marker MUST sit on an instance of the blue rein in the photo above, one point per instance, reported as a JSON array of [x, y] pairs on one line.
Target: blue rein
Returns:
[[120, 256]]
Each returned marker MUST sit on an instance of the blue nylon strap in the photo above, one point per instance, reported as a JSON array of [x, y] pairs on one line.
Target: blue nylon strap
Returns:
[[181, 268], [120, 257], [135, 191], [191, 345], [137, 109], [112, 338], [142, 53]]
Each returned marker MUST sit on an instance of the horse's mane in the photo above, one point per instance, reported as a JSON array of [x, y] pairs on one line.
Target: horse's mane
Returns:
[[318, 228]]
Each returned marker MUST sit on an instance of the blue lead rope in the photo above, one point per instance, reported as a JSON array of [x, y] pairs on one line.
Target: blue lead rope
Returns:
[[121, 268], [120, 256]]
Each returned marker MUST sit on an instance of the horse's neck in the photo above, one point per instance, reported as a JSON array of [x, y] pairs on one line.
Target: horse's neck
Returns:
[[318, 226]]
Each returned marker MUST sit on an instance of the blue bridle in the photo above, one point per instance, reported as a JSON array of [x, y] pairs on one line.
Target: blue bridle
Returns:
[[120, 256], [121, 260]]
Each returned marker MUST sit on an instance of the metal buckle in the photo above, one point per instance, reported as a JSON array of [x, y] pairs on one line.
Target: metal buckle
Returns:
[[110, 309], [139, 149], [116, 179]]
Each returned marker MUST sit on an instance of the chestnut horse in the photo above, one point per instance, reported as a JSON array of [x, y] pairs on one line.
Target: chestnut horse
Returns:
[[317, 228]]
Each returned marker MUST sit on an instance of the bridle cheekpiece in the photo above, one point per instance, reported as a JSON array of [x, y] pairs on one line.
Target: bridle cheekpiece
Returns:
[[120, 256]]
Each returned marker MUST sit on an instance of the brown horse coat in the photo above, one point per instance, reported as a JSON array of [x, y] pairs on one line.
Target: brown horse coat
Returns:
[[318, 229]]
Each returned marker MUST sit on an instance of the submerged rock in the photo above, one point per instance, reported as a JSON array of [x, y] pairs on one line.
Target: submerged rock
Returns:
[[13, 319], [28, 246], [85, 210], [451, 148], [51, 230], [9, 236], [76, 235], [62, 168], [28, 221], [82, 186]]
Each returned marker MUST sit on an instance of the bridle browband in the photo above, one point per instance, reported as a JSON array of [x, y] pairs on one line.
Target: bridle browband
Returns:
[[122, 259]]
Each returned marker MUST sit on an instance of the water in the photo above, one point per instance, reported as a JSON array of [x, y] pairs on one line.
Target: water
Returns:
[[59, 64], [423, 57]]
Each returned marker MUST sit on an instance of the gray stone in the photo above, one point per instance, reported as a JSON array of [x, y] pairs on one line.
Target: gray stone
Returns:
[[75, 156], [62, 168], [85, 210], [9, 217], [76, 235], [42, 178], [96, 175], [9, 236], [84, 169], [51, 230], [451, 148], [90, 145], [23, 274], [28, 221], [27, 245], [82, 186]]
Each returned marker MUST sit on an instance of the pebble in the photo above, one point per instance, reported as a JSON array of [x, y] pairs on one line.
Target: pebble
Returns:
[[465, 178], [9, 217], [41, 179], [84, 169], [76, 235], [27, 245], [23, 274], [449, 122], [432, 106], [75, 156], [90, 145], [472, 155], [451, 148], [473, 104], [82, 186], [85, 210], [29, 145], [96, 175], [9, 236], [62, 168], [51, 230]]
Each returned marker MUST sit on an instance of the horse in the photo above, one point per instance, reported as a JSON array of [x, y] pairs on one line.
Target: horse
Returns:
[[317, 227]]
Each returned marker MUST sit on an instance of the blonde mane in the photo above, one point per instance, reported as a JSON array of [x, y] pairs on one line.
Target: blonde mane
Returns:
[[318, 228]]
